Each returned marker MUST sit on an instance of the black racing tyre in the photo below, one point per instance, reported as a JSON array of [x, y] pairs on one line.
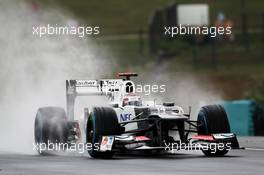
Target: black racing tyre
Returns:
[[101, 122], [51, 125], [212, 119]]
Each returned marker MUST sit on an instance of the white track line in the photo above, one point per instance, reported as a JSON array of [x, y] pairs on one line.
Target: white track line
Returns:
[[255, 149]]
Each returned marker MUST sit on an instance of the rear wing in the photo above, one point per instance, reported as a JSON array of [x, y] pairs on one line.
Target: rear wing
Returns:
[[113, 88]]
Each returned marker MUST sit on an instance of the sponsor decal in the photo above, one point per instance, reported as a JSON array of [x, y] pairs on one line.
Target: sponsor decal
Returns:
[[86, 83], [104, 141], [111, 82], [203, 137], [125, 117], [107, 143], [142, 138], [223, 136]]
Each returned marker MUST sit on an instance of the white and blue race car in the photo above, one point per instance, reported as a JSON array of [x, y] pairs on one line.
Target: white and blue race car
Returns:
[[130, 124]]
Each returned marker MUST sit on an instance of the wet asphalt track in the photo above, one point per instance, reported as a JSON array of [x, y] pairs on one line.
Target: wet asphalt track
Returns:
[[237, 162]]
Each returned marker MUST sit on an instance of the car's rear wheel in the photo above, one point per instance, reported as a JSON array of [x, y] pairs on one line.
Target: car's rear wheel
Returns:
[[212, 119], [50, 126], [101, 122]]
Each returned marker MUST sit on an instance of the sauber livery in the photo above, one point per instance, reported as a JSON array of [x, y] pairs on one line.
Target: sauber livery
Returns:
[[130, 124]]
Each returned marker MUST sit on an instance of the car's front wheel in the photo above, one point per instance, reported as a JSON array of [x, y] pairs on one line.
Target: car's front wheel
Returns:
[[101, 122], [212, 119]]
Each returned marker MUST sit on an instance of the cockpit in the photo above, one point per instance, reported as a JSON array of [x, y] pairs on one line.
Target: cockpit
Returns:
[[132, 100]]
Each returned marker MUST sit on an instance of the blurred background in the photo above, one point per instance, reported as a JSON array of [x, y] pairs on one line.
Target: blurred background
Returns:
[[233, 65], [197, 70]]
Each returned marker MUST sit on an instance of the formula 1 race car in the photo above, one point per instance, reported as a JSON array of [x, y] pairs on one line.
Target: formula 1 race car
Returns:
[[130, 124]]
